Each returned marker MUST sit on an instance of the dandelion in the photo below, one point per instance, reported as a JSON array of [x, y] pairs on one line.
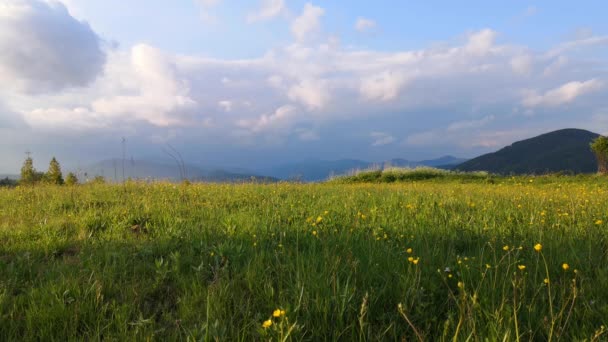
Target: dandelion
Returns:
[[565, 266], [319, 219], [521, 267], [538, 247], [267, 323]]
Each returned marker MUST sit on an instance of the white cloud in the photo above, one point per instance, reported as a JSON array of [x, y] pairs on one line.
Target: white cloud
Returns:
[[226, 105], [44, 49], [384, 86], [382, 139], [469, 124], [564, 94], [308, 23], [522, 64], [481, 42], [278, 122], [314, 94], [364, 25], [269, 9]]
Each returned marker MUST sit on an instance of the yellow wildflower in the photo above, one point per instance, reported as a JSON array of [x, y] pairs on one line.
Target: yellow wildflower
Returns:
[[521, 267], [505, 248], [409, 251], [538, 247], [415, 261], [546, 281], [314, 232], [410, 259], [278, 313], [565, 266], [267, 324], [598, 222], [319, 219]]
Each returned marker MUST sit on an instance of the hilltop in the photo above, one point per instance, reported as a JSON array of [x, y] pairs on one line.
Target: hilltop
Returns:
[[565, 150]]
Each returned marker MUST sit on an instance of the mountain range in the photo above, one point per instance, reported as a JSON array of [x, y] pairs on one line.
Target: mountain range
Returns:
[[112, 170], [319, 170]]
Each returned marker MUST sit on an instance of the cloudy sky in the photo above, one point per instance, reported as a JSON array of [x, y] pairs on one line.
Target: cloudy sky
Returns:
[[260, 82]]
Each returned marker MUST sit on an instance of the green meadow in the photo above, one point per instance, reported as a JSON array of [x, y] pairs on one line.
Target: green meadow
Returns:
[[459, 259]]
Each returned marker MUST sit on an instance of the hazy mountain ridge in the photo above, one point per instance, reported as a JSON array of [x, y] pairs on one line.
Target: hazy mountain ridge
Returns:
[[112, 170], [317, 170]]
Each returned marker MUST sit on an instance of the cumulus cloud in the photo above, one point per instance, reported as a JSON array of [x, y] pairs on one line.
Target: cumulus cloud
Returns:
[[364, 25], [564, 94], [269, 9], [382, 139], [522, 64], [308, 23], [295, 90], [314, 94], [278, 121], [465, 134], [384, 86], [44, 49]]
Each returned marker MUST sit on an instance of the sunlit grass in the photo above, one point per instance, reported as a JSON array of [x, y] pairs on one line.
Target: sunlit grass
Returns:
[[517, 258]]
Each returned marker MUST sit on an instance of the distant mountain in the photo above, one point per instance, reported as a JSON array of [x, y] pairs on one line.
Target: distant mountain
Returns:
[[318, 170], [9, 176], [112, 170], [315, 170], [562, 150]]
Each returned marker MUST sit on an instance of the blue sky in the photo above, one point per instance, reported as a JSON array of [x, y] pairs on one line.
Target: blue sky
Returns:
[[260, 82]]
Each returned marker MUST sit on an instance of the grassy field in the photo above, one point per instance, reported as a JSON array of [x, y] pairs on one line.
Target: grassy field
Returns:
[[506, 259]]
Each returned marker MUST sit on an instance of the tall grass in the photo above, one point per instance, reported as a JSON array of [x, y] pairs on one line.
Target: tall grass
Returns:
[[396, 174], [411, 261]]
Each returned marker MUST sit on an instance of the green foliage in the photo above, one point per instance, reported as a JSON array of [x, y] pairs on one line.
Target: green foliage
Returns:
[[54, 175], [98, 180], [394, 174], [426, 260], [71, 179], [599, 146], [7, 182], [29, 175]]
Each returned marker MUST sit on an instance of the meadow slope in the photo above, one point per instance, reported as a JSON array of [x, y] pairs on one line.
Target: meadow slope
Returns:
[[520, 257]]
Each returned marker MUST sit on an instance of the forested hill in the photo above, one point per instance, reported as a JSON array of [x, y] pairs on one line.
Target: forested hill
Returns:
[[563, 150]]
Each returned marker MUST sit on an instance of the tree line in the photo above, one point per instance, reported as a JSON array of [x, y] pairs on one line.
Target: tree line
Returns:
[[30, 176]]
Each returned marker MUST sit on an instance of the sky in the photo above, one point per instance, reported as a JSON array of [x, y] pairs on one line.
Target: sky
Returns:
[[253, 83]]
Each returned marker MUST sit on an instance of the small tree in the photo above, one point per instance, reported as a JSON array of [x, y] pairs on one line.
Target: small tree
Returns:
[[599, 146], [71, 179], [54, 175], [28, 173]]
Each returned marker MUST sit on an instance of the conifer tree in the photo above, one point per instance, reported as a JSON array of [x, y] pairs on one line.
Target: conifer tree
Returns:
[[28, 173], [53, 175]]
